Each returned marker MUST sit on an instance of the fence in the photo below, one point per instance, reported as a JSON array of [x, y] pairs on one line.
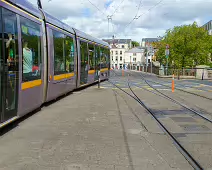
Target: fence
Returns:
[[191, 72], [188, 72]]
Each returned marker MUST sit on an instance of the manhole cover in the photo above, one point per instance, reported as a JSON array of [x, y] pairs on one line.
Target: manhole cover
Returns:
[[183, 119], [195, 127]]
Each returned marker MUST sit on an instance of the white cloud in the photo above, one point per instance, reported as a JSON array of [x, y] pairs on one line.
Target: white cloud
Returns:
[[82, 15]]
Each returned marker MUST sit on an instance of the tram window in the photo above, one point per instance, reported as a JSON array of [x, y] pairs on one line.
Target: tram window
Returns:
[[10, 57], [107, 58], [69, 54], [84, 55], [59, 57], [97, 60], [103, 57], [1, 60], [91, 56], [31, 49]]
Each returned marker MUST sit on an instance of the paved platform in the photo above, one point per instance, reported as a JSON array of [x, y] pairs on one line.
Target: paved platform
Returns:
[[93, 129]]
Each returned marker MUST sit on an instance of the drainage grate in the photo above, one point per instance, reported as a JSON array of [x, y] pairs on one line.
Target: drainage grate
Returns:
[[179, 135], [173, 112], [183, 119], [195, 127], [159, 116]]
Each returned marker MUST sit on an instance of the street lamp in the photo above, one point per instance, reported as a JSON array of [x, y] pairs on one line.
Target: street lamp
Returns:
[[130, 63]]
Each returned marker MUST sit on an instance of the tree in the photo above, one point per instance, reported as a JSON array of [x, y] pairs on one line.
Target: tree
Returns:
[[135, 44], [190, 45]]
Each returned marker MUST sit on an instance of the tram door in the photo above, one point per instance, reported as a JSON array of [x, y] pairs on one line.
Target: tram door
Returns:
[[8, 64], [97, 61], [84, 63]]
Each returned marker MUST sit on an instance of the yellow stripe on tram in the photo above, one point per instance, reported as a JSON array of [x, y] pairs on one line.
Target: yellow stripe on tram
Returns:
[[30, 84], [91, 71], [69, 75], [63, 76], [60, 77], [104, 69]]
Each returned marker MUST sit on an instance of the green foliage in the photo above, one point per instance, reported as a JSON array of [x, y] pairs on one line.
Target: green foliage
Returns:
[[135, 44], [190, 45]]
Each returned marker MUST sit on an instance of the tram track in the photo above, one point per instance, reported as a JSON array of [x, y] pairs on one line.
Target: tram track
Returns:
[[171, 99], [195, 94], [178, 145]]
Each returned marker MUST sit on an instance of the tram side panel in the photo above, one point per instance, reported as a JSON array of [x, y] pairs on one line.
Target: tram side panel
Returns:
[[83, 62], [61, 57], [91, 63], [71, 62], [31, 68], [78, 61], [103, 63]]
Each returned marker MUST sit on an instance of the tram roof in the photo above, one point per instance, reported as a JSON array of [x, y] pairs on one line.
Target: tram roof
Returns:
[[27, 6], [89, 37]]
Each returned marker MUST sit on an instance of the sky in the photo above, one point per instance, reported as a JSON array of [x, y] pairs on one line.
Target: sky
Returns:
[[152, 17]]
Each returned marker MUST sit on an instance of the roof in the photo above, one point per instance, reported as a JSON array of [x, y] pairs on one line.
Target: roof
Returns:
[[26, 5], [135, 50], [150, 39], [207, 23], [118, 41], [29, 7], [89, 37], [53, 20]]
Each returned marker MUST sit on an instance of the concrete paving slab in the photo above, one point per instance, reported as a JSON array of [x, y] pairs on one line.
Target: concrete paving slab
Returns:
[[89, 130]]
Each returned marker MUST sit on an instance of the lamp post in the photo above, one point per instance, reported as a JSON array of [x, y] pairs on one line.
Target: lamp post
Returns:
[[146, 59], [130, 63]]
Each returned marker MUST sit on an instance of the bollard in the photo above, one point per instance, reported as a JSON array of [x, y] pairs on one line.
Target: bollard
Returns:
[[172, 83], [203, 74], [99, 79], [178, 75]]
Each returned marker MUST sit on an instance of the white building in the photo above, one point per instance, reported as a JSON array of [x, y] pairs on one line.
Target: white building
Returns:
[[134, 58], [208, 27], [117, 51]]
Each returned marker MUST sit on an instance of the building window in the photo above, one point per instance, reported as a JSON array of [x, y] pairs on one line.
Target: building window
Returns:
[[134, 59], [120, 58], [112, 58], [148, 60], [122, 46], [31, 46], [116, 52], [111, 52], [116, 58], [134, 54], [120, 66], [120, 52]]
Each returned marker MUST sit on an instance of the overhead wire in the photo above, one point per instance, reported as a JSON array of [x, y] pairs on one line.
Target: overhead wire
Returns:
[[117, 7], [150, 9], [96, 7], [137, 17]]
